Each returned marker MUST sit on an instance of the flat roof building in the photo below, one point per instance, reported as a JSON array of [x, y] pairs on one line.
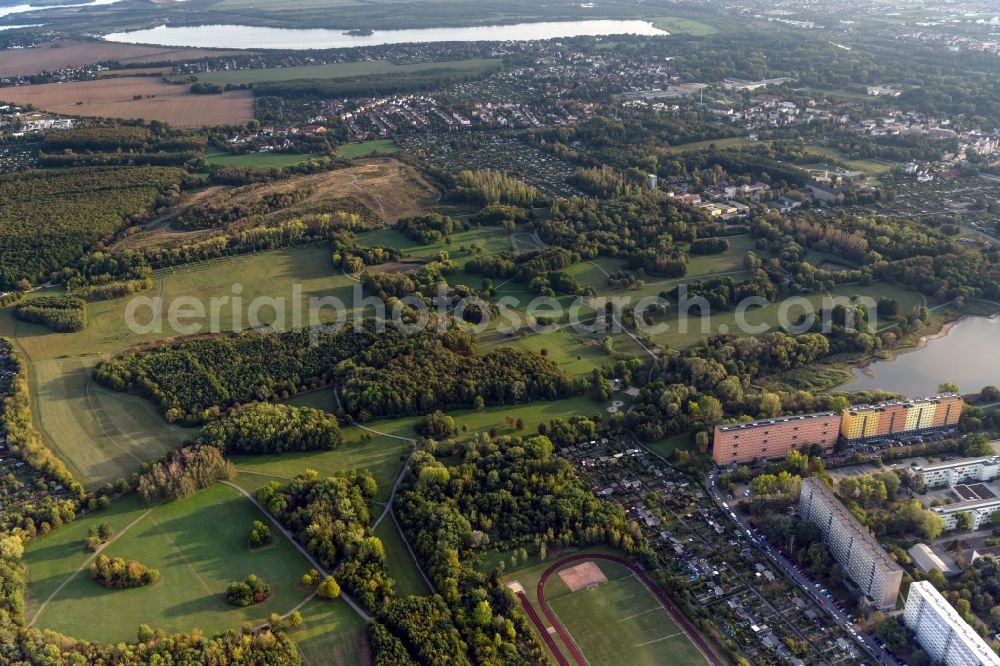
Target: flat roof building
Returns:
[[954, 472], [941, 631], [774, 438], [864, 561], [980, 511], [868, 422], [933, 557]]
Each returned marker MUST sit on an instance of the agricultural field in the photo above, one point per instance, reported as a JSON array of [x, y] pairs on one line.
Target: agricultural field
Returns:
[[352, 151], [254, 160], [52, 56], [342, 70], [139, 97], [194, 571]]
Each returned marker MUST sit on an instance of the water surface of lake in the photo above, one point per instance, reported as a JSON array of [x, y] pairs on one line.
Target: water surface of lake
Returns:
[[969, 355], [253, 37]]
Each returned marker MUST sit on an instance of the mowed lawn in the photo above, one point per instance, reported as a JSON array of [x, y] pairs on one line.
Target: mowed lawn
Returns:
[[350, 151], [254, 160], [382, 456], [620, 622], [332, 635], [102, 435], [402, 568], [199, 547]]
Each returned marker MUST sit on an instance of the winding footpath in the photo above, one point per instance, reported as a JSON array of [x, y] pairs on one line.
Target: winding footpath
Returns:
[[678, 617]]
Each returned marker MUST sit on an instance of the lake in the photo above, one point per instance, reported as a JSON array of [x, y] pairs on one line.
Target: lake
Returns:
[[252, 37], [20, 9], [967, 355]]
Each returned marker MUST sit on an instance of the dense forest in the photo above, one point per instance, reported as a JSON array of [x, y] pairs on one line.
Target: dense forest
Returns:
[[52, 218], [388, 373]]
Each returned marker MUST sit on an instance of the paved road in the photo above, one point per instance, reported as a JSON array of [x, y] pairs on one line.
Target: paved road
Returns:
[[867, 645], [653, 588]]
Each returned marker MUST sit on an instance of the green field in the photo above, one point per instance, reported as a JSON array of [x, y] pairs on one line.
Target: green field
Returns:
[[199, 547], [351, 151], [343, 70], [332, 634], [620, 622], [254, 160], [105, 435], [382, 456], [402, 568], [102, 435], [676, 25], [460, 246], [730, 142], [871, 167]]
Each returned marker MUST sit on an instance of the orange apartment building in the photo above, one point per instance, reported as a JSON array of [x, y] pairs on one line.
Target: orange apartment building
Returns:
[[867, 422], [774, 438]]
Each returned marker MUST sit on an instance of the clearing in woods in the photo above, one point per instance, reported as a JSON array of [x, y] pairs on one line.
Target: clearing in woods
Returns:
[[143, 97]]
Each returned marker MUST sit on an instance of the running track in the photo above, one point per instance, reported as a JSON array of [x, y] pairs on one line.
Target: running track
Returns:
[[677, 616], [537, 621]]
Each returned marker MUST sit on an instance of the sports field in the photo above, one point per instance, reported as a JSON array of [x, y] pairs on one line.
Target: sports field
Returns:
[[620, 622], [611, 618], [194, 570], [339, 70]]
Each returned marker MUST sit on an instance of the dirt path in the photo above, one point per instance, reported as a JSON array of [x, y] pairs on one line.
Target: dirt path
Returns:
[[86, 563], [312, 560]]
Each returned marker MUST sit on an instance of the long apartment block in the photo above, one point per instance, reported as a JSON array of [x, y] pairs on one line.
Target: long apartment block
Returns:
[[864, 561], [773, 438], [867, 422], [941, 631]]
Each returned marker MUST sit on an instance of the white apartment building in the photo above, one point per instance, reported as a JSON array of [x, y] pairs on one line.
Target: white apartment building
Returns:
[[864, 561], [981, 511], [964, 470], [942, 632]]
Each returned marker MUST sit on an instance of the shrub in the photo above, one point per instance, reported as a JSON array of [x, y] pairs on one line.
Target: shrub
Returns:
[[260, 534], [328, 589], [250, 592], [119, 573]]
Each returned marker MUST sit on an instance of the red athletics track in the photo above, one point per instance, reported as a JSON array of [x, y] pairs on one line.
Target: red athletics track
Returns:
[[537, 621], [677, 616]]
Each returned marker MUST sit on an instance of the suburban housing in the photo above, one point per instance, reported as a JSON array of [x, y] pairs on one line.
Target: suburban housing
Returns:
[[864, 561]]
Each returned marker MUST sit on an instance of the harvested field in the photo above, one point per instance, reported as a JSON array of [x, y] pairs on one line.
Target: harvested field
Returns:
[[145, 98], [60, 55], [582, 576]]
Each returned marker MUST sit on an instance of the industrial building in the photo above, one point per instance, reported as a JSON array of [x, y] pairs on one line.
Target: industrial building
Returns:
[[773, 438], [954, 472], [863, 560], [868, 422], [941, 631]]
